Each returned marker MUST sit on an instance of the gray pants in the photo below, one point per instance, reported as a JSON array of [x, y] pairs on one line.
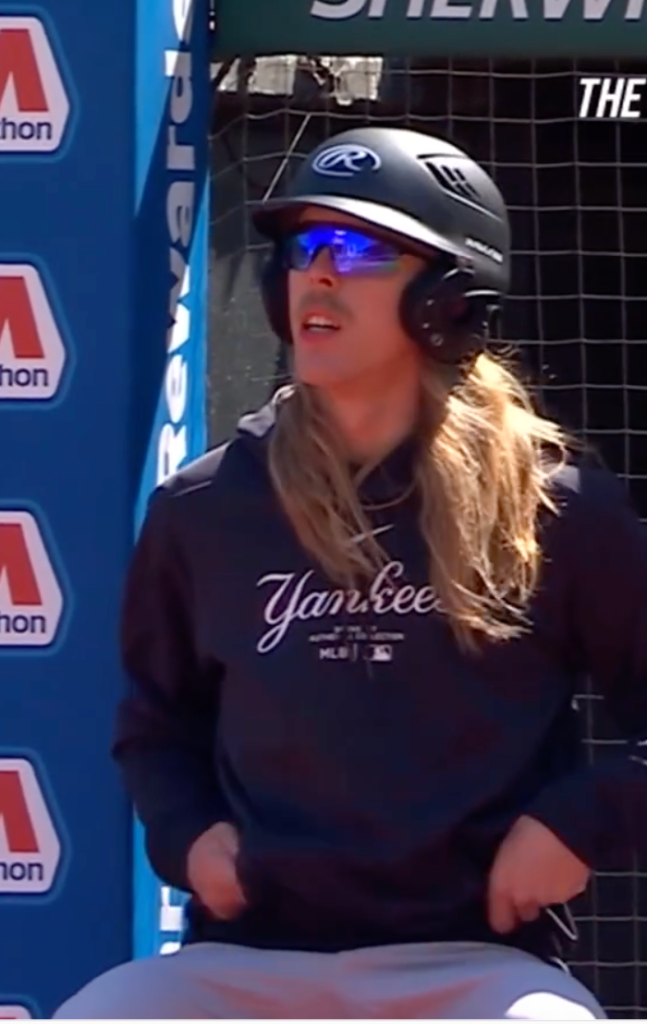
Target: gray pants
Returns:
[[423, 980]]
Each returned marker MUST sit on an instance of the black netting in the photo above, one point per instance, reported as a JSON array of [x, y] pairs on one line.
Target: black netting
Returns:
[[578, 204]]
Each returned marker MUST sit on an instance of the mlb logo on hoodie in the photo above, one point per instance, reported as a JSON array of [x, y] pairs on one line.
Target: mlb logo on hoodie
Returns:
[[380, 652]]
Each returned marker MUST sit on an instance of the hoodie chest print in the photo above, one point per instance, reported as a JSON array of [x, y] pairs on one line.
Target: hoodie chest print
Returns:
[[348, 621]]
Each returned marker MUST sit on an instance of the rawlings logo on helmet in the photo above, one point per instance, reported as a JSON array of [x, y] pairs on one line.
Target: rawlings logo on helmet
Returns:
[[346, 159]]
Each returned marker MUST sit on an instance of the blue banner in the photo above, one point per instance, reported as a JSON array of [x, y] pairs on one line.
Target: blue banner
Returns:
[[103, 170], [173, 103]]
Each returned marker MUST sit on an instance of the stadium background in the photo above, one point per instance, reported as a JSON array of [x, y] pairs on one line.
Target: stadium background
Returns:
[[128, 175], [579, 225]]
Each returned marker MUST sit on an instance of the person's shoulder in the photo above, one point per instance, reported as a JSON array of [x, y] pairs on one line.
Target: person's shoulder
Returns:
[[593, 504], [583, 482], [229, 476], [198, 474], [202, 495], [184, 498], [231, 465]]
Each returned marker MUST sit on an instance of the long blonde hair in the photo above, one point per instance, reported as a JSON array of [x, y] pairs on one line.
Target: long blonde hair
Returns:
[[482, 478]]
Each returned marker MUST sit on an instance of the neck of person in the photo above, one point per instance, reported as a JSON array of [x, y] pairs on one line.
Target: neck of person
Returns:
[[376, 412]]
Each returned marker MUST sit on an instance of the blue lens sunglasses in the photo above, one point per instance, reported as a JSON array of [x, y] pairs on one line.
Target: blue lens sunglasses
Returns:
[[352, 252]]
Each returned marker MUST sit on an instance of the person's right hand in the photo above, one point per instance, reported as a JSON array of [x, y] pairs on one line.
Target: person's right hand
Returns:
[[211, 869]]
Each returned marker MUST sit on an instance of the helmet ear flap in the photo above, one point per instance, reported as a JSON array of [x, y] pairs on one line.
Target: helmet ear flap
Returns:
[[274, 292], [443, 315]]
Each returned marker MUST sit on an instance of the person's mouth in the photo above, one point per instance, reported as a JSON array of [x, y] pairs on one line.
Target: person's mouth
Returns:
[[319, 325]]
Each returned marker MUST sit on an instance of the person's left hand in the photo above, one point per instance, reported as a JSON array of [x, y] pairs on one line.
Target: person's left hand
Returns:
[[532, 869]]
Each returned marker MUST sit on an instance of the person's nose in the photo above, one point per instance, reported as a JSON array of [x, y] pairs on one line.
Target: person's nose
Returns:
[[322, 269]]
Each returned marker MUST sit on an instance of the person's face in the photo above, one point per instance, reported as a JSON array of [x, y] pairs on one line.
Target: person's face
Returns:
[[344, 295]]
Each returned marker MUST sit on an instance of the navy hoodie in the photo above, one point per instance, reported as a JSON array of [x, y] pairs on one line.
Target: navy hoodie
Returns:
[[371, 768]]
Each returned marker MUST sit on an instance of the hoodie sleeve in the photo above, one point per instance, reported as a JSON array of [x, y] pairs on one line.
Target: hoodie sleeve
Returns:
[[600, 811], [165, 726]]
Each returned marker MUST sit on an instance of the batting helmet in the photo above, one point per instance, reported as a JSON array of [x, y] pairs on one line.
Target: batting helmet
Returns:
[[431, 199]]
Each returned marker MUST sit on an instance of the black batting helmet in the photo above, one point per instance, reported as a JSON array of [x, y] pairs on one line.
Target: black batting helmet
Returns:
[[429, 197]]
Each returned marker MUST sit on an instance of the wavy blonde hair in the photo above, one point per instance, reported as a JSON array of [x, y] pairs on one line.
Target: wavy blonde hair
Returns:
[[482, 478]]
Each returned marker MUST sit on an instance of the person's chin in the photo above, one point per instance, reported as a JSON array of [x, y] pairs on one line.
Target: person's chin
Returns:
[[316, 376], [314, 369]]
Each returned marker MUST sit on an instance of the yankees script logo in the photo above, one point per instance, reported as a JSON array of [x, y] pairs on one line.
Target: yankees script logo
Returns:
[[292, 601]]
